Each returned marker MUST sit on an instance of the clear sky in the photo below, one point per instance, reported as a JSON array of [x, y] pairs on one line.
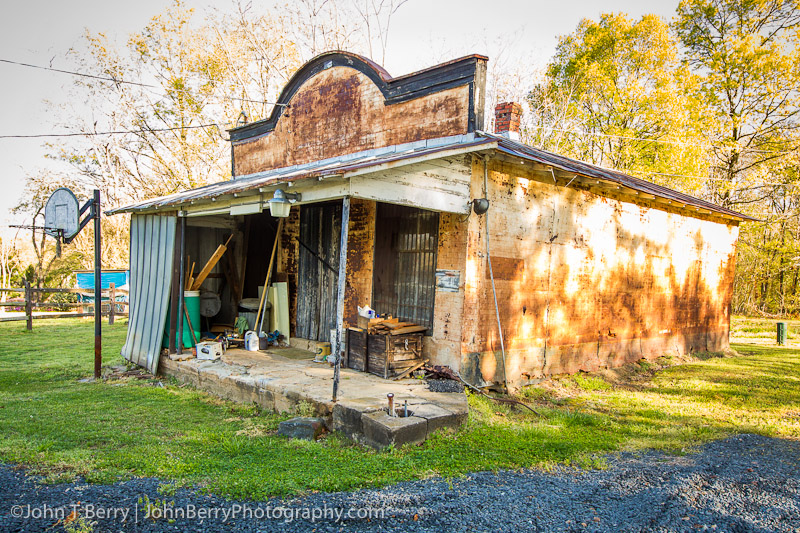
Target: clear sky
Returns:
[[423, 32]]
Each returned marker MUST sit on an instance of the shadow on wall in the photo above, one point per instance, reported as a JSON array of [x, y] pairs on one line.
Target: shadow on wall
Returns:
[[586, 282]]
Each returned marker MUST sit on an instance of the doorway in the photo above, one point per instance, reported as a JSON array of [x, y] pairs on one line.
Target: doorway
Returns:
[[318, 270], [404, 276]]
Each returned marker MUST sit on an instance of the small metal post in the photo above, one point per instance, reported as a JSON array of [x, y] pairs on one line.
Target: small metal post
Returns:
[[28, 305], [392, 412], [112, 299], [98, 288]]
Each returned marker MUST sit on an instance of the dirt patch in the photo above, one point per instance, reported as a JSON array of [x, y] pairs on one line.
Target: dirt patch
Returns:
[[632, 376]]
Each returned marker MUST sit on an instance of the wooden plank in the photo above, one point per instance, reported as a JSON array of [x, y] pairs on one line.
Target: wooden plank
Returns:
[[20, 318], [28, 306], [432, 188], [212, 262], [395, 325], [410, 370], [409, 329]]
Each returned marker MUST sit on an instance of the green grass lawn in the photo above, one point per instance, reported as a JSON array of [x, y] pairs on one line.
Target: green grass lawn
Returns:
[[60, 427]]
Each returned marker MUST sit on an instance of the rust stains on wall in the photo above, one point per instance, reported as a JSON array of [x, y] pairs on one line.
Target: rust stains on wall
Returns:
[[288, 252], [340, 111], [360, 250], [586, 282]]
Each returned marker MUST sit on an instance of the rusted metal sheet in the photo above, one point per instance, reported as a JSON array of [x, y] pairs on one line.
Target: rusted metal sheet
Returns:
[[341, 111], [587, 282], [404, 279], [581, 168], [340, 103]]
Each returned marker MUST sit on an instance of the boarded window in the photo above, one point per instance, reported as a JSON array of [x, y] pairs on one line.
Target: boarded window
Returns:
[[318, 270], [404, 279]]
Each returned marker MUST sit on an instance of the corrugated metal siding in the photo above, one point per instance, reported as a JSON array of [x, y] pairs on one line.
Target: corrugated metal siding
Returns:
[[406, 245], [152, 247]]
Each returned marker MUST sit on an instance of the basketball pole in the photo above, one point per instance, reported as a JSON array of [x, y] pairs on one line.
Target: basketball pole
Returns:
[[98, 288]]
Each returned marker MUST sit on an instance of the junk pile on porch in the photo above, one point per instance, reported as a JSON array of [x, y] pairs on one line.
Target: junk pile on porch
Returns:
[[384, 346], [247, 330]]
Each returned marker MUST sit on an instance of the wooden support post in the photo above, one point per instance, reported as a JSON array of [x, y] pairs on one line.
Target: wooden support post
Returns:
[[340, 289], [28, 305], [112, 302]]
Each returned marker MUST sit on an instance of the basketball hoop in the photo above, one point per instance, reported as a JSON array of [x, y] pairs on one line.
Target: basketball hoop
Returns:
[[61, 214], [62, 222]]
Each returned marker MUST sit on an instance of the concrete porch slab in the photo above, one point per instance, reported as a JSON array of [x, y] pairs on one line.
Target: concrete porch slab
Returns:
[[295, 384]]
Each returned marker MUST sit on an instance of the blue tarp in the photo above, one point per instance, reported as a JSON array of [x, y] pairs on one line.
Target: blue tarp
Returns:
[[85, 280]]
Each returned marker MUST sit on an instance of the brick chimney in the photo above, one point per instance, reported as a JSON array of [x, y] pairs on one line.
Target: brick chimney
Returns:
[[507, 118]]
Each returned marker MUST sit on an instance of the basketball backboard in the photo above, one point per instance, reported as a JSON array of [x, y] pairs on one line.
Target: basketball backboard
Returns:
[[61, 214]]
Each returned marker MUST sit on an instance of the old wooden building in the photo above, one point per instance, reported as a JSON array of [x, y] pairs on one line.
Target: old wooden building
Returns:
[[579, 267]]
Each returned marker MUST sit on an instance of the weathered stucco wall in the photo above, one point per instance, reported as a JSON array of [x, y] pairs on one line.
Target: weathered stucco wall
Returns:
[[360, 253], [288, 253], [587, 281], [341, 111], [443, 347]]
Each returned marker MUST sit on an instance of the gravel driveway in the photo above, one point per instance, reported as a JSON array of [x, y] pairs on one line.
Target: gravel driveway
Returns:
[[743, 483]]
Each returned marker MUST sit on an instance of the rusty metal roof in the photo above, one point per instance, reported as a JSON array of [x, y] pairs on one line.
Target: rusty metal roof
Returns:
[[408, 154], [581, 168]]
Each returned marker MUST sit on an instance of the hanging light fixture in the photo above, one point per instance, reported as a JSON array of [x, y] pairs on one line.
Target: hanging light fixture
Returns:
[[281, 203]]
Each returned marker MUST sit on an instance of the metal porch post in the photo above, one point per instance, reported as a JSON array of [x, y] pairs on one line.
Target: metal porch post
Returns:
[[98, 289]]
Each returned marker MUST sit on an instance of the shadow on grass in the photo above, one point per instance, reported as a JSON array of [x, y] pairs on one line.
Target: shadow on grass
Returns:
[[110, 430]]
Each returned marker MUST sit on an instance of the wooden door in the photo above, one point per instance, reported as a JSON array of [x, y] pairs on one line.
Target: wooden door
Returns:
[[318, 270]]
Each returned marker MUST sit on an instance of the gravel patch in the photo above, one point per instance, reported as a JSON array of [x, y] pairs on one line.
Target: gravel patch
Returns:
[[743, 483], [445, 385]]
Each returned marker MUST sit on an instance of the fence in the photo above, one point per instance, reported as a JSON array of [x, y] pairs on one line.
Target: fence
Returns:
[[112, 308]]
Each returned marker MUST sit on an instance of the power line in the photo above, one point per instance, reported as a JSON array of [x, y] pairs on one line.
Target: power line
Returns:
[[114, 80], [73, 73], [114, 132]]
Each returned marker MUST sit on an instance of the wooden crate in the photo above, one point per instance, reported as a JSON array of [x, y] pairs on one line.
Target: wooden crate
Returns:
[[389, 355], [357, 349]]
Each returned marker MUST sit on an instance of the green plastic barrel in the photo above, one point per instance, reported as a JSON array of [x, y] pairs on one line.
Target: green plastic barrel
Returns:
[[191, 299], [782, 333]]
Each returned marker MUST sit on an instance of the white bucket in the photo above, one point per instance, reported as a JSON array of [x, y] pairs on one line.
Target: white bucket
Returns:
[[251, 341]]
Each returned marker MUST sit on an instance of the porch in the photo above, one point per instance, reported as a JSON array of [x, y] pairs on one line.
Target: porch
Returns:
[[287, 380]]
